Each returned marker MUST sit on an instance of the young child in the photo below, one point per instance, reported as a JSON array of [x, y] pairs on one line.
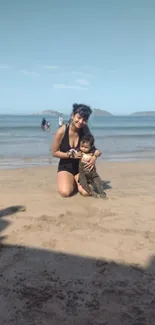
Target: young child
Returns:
[[86, 176]]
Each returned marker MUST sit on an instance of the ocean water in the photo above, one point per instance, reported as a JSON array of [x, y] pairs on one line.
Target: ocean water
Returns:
[[120, 138]]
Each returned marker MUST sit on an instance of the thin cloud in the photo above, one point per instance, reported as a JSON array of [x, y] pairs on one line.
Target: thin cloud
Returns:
[[29, 73], [82, 74], [82, 82], [73, 87], [51, 67], [4, 66], [77, 73]]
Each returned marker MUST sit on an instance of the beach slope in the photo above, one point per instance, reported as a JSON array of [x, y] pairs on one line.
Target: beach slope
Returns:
[[78, 260]]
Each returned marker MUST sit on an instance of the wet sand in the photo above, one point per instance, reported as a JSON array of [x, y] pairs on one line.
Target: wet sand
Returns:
[[78, 260]]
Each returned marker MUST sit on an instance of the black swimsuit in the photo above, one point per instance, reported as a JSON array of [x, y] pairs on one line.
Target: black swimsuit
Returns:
[[69, 165]]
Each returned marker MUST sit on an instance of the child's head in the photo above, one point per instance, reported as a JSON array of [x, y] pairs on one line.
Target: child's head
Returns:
[[87, 142]]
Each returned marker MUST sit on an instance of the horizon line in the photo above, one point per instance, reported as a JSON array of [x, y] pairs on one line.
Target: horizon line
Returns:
[[67, 114]]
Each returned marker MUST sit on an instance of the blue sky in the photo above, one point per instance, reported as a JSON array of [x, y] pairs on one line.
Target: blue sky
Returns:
[[55, 53]]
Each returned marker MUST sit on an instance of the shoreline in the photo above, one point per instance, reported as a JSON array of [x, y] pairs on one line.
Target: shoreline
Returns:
[[16, 163]]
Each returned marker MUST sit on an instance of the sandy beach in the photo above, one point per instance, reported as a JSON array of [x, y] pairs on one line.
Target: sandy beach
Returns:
[[78, 260]]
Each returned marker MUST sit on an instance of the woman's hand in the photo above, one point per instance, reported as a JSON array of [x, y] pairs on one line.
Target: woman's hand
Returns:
[[74, 154], [90, 165], [77, 155]]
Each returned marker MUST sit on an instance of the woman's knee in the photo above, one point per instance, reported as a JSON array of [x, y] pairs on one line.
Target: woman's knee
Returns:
[[66, 184], [65, 192]]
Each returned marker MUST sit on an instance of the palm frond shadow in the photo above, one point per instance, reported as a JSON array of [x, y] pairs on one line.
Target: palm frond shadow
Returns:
[[11, 210]]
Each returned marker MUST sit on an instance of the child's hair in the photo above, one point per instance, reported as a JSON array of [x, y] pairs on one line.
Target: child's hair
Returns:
[[88, 138]]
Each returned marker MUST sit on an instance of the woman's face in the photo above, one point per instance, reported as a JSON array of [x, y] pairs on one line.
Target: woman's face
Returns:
[[79, 121]]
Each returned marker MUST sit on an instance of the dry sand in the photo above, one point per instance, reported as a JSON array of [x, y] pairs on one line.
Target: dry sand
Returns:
[[78, 260]]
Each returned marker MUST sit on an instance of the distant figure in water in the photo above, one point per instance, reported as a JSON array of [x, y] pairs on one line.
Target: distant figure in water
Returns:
[[43, 123], [61, 120], [48, 125]]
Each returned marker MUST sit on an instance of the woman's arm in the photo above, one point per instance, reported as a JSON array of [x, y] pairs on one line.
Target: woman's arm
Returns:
[[57, 142], [97, 153]]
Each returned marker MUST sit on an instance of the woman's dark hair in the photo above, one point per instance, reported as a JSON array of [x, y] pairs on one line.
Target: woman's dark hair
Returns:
[[83, 110], [88, 138]]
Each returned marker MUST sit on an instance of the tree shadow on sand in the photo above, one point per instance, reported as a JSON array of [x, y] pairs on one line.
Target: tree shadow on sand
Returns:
[[44, 287], [7, 212], [11, 210]]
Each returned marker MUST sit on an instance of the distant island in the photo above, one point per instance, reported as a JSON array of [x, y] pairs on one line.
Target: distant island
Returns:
[[49, 112], [100, 112], [146, 113], [96, 112]]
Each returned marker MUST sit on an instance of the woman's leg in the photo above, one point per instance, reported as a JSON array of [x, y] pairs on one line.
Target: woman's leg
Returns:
[[80, 188], [66, 183]]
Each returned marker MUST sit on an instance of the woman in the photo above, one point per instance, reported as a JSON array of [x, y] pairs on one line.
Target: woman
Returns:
[[68, 137]]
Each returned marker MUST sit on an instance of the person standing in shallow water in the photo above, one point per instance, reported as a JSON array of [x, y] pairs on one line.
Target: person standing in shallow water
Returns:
[[61, 120], [66, 138]]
